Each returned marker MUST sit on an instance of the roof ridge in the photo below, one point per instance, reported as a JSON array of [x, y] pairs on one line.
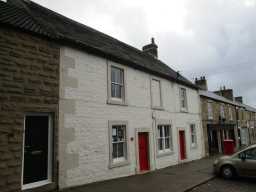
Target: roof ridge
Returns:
[[21, 6], [47, 28], [95, 30], [70, 32]]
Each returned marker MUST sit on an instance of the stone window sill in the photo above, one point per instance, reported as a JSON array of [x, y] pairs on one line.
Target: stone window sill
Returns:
[[119, 164], [116, 102], [163, 154]]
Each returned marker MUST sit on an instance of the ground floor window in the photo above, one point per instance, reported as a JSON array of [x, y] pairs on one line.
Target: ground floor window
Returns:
[[164, 138], [193, 135], [118, 147]]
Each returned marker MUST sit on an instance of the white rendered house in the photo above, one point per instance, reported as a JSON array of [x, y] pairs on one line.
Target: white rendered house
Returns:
[[117, 121]]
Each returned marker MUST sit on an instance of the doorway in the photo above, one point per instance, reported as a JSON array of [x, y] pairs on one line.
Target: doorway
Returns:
[[182, 144], [143, 151], [37, 151]]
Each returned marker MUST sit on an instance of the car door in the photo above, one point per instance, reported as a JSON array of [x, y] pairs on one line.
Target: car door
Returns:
[[246, 163]]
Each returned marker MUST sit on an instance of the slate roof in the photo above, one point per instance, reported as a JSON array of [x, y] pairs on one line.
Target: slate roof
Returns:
[[216, 97], [31, 17]]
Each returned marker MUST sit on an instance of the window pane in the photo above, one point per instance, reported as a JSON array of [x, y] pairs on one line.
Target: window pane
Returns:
[[117, 75], [113, 76], [167, 143], [113, 91], [114, 153], [120, 133], [120, 76], [160, 131], [166, 130], [114, 134], [116, 90], [193, 133], [160, 144], [120, 149], [183, 97]]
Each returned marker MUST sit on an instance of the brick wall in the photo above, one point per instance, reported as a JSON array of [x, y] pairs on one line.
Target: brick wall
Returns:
[[29, 82]]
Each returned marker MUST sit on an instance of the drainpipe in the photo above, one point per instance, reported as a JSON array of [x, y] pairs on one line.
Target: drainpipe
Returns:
[[154, 136]]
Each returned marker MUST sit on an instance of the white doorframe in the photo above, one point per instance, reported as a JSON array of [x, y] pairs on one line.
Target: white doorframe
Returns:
[[50, 153]]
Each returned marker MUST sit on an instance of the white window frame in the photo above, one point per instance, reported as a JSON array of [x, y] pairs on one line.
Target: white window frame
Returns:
[[167, 151], [160, 91], [114, 100], [193, 145], [185, 108], [210, 110], [118, 161], [50, 154]]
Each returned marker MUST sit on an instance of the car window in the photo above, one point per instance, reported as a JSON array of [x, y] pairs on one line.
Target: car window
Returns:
[[251, 154]]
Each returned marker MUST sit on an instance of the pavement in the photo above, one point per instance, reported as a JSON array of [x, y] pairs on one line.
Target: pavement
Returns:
[[178, 178], [221, 185]]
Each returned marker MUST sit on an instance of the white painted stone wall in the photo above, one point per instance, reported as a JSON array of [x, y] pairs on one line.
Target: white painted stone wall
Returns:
[[84, 115]]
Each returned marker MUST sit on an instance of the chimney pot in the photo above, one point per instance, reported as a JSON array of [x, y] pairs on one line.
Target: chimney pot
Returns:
[[151, 49], [153, 40], [239, 99], [201, 83]]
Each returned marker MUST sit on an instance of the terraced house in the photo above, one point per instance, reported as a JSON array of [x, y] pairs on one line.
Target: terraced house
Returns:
[[78, 106], [225, 118]]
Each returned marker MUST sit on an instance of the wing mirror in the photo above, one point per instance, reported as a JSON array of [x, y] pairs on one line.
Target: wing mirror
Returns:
[[242, 156]]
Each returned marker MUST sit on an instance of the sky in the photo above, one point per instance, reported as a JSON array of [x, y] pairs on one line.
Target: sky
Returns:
[[212, 38]]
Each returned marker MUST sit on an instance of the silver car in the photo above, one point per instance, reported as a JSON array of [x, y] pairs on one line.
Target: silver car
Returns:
[[242, 163]]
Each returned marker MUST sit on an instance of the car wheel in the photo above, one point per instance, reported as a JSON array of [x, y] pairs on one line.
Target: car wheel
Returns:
[[227, 172]]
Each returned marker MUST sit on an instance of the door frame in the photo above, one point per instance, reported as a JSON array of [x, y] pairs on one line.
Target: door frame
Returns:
[[50, 153], [142, 130], [185, 142]]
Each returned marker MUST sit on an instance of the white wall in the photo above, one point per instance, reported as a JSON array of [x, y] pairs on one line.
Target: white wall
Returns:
[[84, 116]]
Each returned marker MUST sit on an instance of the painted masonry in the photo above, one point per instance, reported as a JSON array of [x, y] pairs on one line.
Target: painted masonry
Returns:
[[85, 115]]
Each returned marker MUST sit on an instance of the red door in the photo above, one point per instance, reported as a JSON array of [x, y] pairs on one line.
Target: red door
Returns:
[[182, 145], [143, 151]]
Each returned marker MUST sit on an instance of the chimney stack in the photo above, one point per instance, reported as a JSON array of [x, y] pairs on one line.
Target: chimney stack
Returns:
[[201, 83], [151, 48], [227, 93], [239, 99]]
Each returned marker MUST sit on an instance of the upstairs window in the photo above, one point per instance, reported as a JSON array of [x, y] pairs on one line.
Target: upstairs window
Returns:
[[116, 84], [230, 114], [222, 111], [210, 110], [156, 93], [183, 99]]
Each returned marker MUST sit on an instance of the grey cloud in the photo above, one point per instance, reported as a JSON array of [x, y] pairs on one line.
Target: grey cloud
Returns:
[[219, 39]]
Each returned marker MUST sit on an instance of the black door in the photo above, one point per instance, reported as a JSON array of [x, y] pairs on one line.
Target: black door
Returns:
[[36, 149]]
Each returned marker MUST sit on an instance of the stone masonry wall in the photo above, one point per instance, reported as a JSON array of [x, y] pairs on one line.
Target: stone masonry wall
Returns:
[[216, 113], [29, 82]]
